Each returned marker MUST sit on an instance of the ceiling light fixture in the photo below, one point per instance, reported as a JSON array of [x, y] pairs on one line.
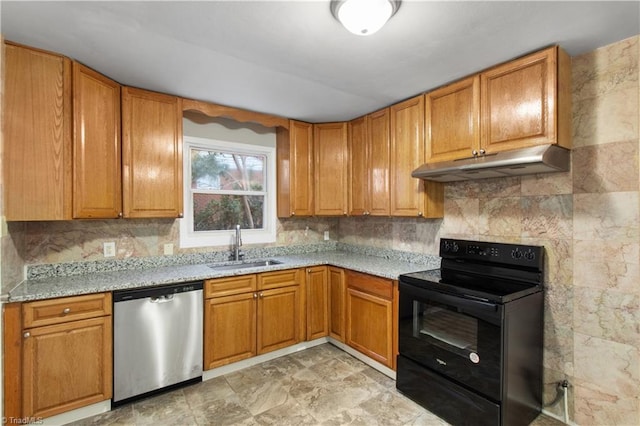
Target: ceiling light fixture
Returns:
[[364, 17]]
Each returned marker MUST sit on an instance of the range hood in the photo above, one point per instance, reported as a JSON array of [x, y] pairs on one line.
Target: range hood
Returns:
[[525, 161]]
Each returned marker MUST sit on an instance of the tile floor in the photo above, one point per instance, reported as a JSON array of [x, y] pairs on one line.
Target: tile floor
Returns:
[[319, 386]]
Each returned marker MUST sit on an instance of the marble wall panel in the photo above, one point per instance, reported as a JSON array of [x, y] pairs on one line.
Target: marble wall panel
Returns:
[[607, 265], [607, 379], [612, 216], [548, 217], [614, 67], [500, 216], [606, 168], [547, 184], [607, 314]]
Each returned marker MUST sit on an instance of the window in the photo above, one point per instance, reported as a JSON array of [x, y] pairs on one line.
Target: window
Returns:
[[225, 184]]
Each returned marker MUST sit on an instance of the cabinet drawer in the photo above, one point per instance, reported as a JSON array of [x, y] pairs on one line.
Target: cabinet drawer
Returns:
[[277, 279], [65, 309], [231, 285], [370, 284]]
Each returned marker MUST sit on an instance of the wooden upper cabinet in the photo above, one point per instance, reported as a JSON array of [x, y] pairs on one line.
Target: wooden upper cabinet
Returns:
[[527, 102], [407, 153], [330, 153], [97, 179], [295, 169], [378, 163], [358, 167], [452, 120], [37, 135], [369, 165], [151, 154]]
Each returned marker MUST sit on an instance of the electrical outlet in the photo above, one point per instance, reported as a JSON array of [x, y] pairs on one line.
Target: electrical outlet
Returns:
[[168, 249], [109, 249], [326, 236]]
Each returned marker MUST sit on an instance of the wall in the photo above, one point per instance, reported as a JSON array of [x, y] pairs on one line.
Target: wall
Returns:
[[588, 221]]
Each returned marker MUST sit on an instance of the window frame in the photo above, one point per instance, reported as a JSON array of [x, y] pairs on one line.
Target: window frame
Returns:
[[192, 239]]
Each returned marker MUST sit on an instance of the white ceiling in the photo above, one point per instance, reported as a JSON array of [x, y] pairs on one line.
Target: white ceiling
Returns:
[[291, 58]]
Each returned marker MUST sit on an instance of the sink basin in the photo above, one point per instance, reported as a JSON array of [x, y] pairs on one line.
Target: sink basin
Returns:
[[244, 265]]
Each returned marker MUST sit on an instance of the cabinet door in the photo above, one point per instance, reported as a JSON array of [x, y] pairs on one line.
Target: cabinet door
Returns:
[[369, 325], [37, 134], [295, 169], [97, 178], [519, 101], [151, 154], [407, 153], [378, 163], [317, 302], [66, 366], [358, 167], [279, 321], [452, 121], [337, 303], [330, 153], [229, 329]]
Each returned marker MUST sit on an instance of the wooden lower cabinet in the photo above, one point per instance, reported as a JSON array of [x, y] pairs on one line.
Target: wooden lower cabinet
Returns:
[[317, 302], [240, 324], [68, 364], [370, 312], [230, 327], [337, 306], [279, 322]]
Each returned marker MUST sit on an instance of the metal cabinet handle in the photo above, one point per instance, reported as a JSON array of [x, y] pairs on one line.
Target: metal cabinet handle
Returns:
[[482, 151], [26, 334], [420, 214], [255, 295], [309, 271], [120, 215], [474, 152], [261, 295], [181, 215], [66, 310]]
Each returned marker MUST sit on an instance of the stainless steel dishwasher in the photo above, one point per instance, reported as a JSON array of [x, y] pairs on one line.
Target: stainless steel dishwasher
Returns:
[[157, 339]]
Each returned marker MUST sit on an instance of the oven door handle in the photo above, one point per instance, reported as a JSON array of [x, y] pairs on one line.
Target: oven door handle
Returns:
[[471, 305]]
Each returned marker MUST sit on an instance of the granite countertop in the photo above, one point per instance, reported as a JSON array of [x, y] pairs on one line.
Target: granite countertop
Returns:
[[391, 265]]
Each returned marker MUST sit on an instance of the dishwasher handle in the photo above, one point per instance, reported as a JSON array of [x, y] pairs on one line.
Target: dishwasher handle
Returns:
[[156, 292], [161, 299]]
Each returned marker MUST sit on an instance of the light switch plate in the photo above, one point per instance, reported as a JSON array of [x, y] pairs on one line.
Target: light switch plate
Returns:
[[168, 249], [326, 235], [109, 249]]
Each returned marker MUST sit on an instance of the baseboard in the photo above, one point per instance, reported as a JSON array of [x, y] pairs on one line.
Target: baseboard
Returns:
[[250, 362], [362, 357], [74, 415]]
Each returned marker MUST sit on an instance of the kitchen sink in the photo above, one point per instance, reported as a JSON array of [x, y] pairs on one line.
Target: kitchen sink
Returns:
[[244, 265]]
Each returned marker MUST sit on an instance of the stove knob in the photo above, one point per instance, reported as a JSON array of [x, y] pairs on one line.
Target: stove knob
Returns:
[[447, 246], [516, 254], [455, 247], [529, 255]]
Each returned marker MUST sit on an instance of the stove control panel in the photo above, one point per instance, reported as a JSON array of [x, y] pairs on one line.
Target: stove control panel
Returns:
[[512, 254]]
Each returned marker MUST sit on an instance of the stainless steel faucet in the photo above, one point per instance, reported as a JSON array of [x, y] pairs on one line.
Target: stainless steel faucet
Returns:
[[237, 254]]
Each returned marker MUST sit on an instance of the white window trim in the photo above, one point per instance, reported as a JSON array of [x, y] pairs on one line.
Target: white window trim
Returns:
[[191, 239]]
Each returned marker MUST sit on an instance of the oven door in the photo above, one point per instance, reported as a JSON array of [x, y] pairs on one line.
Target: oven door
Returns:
[[457, 337]]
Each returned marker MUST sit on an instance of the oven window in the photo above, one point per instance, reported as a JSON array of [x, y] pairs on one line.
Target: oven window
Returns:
[[443, 326]]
